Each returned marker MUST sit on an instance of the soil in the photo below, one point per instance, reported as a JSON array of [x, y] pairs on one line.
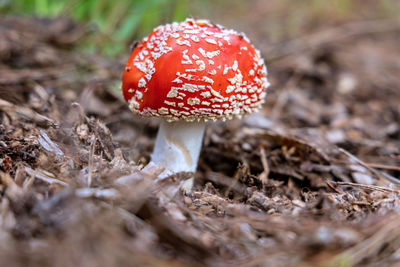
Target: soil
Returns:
[[312, 179]]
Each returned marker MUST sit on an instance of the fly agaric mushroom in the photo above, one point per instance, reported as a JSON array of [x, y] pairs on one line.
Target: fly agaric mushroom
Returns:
[[188, 73]]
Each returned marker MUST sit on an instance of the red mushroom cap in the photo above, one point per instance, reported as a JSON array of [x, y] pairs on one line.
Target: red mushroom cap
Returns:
[[194, 70]]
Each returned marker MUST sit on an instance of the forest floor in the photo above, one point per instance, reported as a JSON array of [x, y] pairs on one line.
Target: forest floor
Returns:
[[312, 179]]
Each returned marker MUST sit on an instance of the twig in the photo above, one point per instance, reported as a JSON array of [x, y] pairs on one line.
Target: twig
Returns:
[[330, 185], [264, 175], [383, 166], [374, 171], [90, 165], [369, 187], [41, 176]]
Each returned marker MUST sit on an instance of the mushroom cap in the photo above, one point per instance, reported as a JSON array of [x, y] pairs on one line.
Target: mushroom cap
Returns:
[[194, 70]]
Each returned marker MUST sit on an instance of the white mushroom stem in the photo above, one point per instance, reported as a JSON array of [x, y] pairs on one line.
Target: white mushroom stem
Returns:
[[178, 146]]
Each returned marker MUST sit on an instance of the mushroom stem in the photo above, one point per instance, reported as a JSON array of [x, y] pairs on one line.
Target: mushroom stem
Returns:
[[178, 145]]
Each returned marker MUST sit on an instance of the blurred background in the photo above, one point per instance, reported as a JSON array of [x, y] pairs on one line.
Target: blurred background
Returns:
[[310, 180], [111, 26]]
